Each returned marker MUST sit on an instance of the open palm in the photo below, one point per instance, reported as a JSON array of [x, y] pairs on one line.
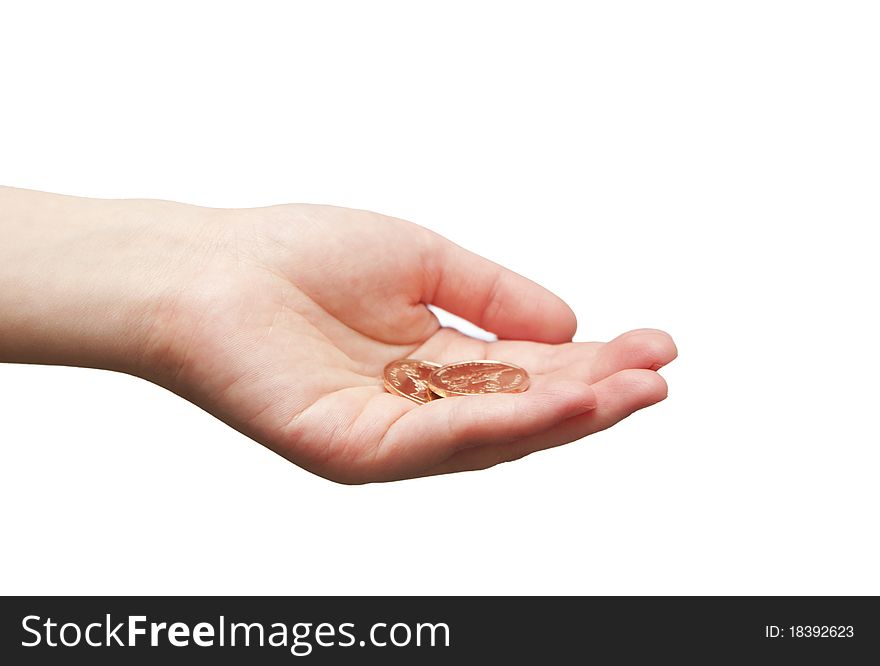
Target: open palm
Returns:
[[284, 329]]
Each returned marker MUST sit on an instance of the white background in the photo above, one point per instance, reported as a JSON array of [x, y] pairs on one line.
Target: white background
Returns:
[[711, 169]]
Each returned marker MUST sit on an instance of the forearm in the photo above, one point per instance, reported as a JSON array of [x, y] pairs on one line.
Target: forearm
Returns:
[[82, 280]]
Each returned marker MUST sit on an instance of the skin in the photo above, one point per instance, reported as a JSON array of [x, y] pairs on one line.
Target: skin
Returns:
[[279, 321]]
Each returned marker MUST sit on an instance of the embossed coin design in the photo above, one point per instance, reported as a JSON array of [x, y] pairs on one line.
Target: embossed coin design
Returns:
[[408, 377], [477, 377]]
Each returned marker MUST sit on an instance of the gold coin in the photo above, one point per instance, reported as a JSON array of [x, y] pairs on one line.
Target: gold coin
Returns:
[[408, 378], [477, 377]]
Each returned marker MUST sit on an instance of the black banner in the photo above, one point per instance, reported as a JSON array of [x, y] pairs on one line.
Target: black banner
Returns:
[[171, 630]]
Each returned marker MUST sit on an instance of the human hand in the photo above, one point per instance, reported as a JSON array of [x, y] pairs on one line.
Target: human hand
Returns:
[[280, 320]]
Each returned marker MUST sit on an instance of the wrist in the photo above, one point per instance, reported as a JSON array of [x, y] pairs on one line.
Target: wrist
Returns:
[[83, 281]]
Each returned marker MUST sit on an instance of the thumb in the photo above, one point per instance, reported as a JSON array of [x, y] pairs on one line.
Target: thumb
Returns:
[[493, 297]]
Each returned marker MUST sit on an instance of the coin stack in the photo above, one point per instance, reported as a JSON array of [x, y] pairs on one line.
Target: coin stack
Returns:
[[423, 381]]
